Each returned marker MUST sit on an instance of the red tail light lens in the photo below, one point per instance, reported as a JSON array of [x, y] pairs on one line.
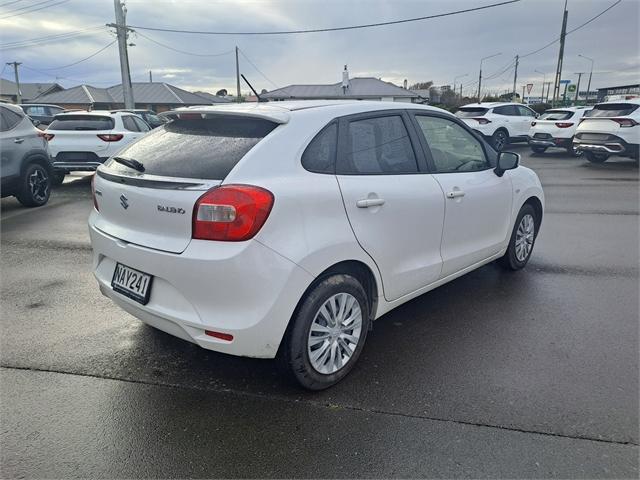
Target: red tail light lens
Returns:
[[110, 137], [564, 124], [625, 122], [482, 121], [231, 213], [46, 136], [533, 124], [93, 192]]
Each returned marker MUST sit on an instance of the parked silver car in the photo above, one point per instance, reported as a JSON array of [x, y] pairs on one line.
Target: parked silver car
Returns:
[[25, 165]]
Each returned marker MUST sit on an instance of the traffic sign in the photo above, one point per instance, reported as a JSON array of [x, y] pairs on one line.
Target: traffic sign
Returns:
[[529, 87], [571, 88], [565, 81]]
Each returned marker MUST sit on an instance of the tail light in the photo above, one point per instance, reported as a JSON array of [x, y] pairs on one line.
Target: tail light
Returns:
[[110, 137], [625, 122], [533, 124], [46, 136], [564, 124], [93, 192], [231, 213], [482, 121]]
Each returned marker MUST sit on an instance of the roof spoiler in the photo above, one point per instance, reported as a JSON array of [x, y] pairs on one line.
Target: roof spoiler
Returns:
[[255, 111]]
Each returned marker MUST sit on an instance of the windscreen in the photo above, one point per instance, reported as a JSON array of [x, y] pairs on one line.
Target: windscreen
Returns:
[[469, 112], [611, 110], [201, 148], [82, 122], [556, 115]]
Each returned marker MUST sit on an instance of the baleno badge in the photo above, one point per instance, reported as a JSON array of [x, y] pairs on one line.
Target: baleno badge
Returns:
[[163, 208]]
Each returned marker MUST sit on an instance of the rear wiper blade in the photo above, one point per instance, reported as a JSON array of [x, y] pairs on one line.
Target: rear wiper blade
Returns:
[[130, 162]]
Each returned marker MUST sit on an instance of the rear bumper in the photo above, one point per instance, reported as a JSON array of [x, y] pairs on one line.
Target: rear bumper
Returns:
[[77, 161], [612, 145], [244, 289], [550, 142]]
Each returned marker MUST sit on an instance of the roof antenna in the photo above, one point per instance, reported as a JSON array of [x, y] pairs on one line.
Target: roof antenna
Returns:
[[253, 89]]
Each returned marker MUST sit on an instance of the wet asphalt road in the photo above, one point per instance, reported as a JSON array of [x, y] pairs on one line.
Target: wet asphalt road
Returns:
[[527, 374]]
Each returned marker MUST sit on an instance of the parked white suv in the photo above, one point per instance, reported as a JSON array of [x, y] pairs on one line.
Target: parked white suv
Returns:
[[499, 122], [555, 128], [287, 228], [610, 128], [81, 141]]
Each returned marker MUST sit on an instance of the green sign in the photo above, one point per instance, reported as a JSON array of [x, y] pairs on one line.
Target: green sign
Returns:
[[571, 88]]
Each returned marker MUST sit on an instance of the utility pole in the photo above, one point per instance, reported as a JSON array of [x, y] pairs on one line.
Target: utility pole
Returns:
[[590, 75], [461, 90], [150, 77], [515, 78], [237, 75], [15, 72], [522, 99], [578, 87], [563, 34], [544, 81], [480, 75], [123, 32], [548, 88]]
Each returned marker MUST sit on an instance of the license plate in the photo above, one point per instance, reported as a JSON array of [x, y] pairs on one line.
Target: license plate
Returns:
[[132, 283]]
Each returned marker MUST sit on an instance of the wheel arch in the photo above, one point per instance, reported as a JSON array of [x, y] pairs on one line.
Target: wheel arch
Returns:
[[31, 158], [536, 204]]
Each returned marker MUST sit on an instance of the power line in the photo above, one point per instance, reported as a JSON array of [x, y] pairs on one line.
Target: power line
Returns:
[[50, 38], [9, 3], [84, 59], [183, 51], [28, 6], [334, 29], [35, 9], [57, 77], [257, 69]]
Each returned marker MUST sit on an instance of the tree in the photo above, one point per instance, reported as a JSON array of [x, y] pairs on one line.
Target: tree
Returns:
[[222, 92], [421, 85]]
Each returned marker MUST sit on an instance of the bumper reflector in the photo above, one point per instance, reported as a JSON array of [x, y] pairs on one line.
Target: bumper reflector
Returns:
[[222, 336]]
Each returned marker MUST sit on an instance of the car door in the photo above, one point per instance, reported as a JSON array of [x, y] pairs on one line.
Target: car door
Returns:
[[525, 117], [477, 201], [11, 140], [394, 206]]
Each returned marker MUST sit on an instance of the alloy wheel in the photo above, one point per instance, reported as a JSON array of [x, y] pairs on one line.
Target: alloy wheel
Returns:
[[525, 236], [39, 184], [334, 333]]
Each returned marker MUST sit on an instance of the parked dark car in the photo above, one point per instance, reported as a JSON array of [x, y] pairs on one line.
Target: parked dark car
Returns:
[[148, 116], [26, 166], [41, 112]]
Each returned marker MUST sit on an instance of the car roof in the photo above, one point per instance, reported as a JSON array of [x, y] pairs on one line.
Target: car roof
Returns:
[[567, 109], [635, 101], [97, 113], [13, 108], [491, 104], [40, 105], [281, 112]]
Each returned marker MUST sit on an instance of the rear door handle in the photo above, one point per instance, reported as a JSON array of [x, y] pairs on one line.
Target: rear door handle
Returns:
[[455, 194], [370, 202], [18, 140]]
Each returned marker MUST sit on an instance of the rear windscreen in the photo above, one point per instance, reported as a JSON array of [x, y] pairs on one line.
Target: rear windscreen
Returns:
[[469, 112], [611, 110], [556, 115], [204, 149], [82, 122]]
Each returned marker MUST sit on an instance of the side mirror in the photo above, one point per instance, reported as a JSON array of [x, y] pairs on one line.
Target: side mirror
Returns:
[[506, 161], [35, 122], [537, 115]]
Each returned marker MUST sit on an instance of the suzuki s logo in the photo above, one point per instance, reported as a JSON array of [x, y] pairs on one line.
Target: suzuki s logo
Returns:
[[124, 201], [164, 208]]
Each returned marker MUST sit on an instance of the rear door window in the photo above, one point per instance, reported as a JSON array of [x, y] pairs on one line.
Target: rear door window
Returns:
[[470, 112], [142, 126], [206, 149], [556, 115], [525, 112], [129, 123], [320, 155], [612, 110], [8, 119], [82, 122], [509, 110], [376, 146]]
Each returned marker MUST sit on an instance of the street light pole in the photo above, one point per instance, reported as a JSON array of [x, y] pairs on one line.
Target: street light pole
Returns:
[[480, 76], [590, 75], [544, 80], [454, 82]]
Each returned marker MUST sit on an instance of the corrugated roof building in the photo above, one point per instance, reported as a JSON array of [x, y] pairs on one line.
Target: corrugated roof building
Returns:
[[9, 90], [152, 96]]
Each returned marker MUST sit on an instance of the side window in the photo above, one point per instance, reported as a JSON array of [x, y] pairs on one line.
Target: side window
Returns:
[[320, 154], [509, 110], [453, 149], [8, 119], [378, 145], [524, 111], [142, 126], [35, 110], [129, 123]]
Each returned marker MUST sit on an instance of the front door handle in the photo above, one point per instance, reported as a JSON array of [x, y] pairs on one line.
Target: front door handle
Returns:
[[455, 194], [18, 140], [370, 202]]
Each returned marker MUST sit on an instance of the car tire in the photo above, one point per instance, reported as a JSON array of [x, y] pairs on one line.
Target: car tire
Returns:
[[499, 140], [317, 327], [538, 149], [594, 157], [35, 186], [57, 178], [522, 239]]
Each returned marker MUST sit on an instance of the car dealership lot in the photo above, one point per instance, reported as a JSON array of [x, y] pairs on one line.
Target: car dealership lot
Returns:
[[526, 374]]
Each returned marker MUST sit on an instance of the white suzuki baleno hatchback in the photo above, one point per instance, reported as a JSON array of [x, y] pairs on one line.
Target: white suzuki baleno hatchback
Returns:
[[287, 228]]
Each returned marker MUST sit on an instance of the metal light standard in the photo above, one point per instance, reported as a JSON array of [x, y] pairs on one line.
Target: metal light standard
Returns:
[[590, 75], [455, 79], [544, 80], [480, 76]]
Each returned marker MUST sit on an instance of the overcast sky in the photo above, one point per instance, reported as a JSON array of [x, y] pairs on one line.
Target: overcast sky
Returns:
[[438, 49]]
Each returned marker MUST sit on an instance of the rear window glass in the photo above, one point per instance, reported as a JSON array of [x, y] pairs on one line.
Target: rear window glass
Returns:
[[611, 110], [82, 122], [468, 112], [320, 155], [556, 115], [204, 149]]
